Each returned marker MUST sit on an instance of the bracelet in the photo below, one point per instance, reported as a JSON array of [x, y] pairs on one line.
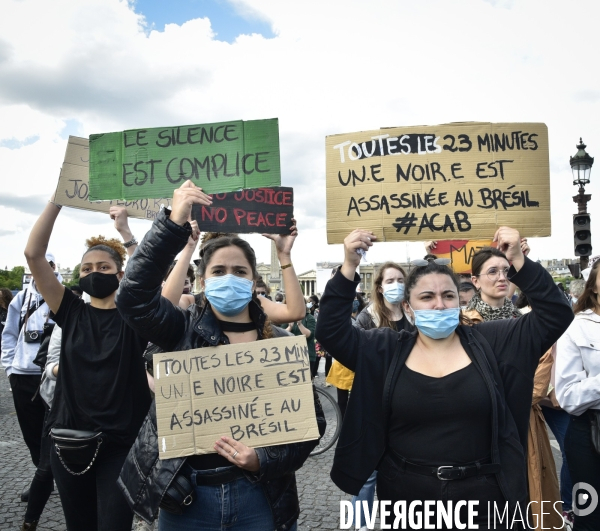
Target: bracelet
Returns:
[[131, 242], [57, 206], [286, 266]]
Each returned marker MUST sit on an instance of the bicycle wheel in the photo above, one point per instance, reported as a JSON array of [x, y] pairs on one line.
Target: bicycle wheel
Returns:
[[333, 416]]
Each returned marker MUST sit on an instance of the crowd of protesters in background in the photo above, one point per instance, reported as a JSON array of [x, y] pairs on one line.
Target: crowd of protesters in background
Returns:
[[445, 383]]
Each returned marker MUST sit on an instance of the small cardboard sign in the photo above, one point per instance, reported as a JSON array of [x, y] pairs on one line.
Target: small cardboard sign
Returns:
[[218, 157], [259, 393], [265, 210], [73, 186], [452, 181], [461, 253]]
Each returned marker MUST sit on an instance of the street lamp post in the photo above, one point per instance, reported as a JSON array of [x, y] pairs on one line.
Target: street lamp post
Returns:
[[581, 166]]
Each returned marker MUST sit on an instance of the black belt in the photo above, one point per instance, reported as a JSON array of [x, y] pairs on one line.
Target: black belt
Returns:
[[218, 478], [446, 473]]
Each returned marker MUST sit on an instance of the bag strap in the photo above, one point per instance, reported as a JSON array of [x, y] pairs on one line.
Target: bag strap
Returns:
[[30, 311], [87, 468]]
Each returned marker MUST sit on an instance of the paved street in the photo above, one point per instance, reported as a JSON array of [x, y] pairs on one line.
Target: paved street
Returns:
[[319, 497]]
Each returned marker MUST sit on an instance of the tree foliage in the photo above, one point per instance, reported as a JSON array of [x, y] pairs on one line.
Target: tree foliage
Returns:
[[12, 279]]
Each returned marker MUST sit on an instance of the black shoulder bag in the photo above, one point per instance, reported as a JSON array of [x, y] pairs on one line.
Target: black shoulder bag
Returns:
[[77, 448]]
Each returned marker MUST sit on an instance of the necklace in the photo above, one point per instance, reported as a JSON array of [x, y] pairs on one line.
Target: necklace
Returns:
[[230, 326]]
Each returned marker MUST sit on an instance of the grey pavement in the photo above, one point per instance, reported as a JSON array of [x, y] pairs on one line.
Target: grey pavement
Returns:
[[319, 497]]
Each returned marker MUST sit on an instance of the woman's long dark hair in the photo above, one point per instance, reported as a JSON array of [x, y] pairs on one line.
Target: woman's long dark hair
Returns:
[[212, 244], [588, 299], [315, 301]]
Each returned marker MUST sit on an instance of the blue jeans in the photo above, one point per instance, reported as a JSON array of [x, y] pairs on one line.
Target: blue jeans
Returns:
[[558, 421], [367, 493], [235, 506]]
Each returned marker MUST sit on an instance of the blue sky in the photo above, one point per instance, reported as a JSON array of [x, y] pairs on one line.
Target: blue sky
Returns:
[[78, 67], [226, 21]]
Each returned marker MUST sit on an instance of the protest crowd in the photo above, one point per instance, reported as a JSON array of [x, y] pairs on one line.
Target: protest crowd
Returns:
[[446, 383]]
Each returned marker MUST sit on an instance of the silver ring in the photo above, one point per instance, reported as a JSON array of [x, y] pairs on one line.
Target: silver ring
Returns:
[[234, 454]]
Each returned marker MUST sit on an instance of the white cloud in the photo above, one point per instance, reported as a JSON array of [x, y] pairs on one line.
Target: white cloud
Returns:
[[333, 67]]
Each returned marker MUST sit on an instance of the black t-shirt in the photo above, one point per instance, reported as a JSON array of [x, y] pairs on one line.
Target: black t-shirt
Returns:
[[101, 384], [441, 421]]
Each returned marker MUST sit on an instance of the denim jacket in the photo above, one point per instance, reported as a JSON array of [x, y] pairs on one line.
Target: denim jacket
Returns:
[[145, 478]]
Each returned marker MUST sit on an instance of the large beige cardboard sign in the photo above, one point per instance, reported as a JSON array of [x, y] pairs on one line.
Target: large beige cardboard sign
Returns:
[[443, 182], [73, 185], [259, 393]]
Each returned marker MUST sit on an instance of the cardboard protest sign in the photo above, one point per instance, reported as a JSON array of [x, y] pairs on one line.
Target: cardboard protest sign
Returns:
[[449, 181], [73, 186], [218, 157], [259, 393], [268, 210], [460, 252]]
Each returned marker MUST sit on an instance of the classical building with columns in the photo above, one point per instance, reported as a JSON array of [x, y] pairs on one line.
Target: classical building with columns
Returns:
[[308, 282]]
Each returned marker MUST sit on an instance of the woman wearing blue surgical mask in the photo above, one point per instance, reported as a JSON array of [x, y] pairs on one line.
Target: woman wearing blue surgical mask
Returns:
[[441, 412], [385, 310], [238, 487]]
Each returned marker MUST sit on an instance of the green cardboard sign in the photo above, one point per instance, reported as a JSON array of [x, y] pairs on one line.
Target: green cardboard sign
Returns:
[[152, 163]]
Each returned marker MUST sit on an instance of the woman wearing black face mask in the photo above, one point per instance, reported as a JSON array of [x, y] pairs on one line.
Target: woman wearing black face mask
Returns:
[[101, 390]]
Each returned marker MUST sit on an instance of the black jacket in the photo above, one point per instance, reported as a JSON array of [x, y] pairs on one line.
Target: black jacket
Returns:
[[145, 478], [505, 352]]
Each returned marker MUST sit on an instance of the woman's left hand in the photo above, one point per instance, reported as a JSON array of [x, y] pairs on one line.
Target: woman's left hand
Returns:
[[238, 453], [284, 242], [525, 246], [509, 242]]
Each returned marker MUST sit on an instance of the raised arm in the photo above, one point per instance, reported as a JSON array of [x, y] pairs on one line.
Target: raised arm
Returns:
[[173, 287], [294, 308], [335, 331], [35, 254], [139, 298], [537, 331], [120, 216]]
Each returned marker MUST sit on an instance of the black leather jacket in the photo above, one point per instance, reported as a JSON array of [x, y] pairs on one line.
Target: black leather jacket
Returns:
[[144, 477]]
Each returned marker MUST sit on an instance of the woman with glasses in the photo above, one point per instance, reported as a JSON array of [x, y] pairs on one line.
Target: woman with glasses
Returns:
[[491, 302], [441, 412], [490, 276]]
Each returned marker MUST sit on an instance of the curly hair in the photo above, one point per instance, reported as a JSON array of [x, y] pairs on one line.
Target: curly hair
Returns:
[[112, 246]]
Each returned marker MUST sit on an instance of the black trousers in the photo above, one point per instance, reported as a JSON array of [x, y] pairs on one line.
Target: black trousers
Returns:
[[30, 413], [395, 484], [93, 501], [584, 467], [42, 484]]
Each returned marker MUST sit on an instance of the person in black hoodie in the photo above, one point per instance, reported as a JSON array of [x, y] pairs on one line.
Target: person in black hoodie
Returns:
[[442, 412]]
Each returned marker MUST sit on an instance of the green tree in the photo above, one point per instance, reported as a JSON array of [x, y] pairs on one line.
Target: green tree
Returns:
[[12, 279]]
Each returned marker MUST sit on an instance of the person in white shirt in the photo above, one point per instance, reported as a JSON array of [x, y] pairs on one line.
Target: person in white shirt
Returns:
[[578, 392], [21, 339]]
